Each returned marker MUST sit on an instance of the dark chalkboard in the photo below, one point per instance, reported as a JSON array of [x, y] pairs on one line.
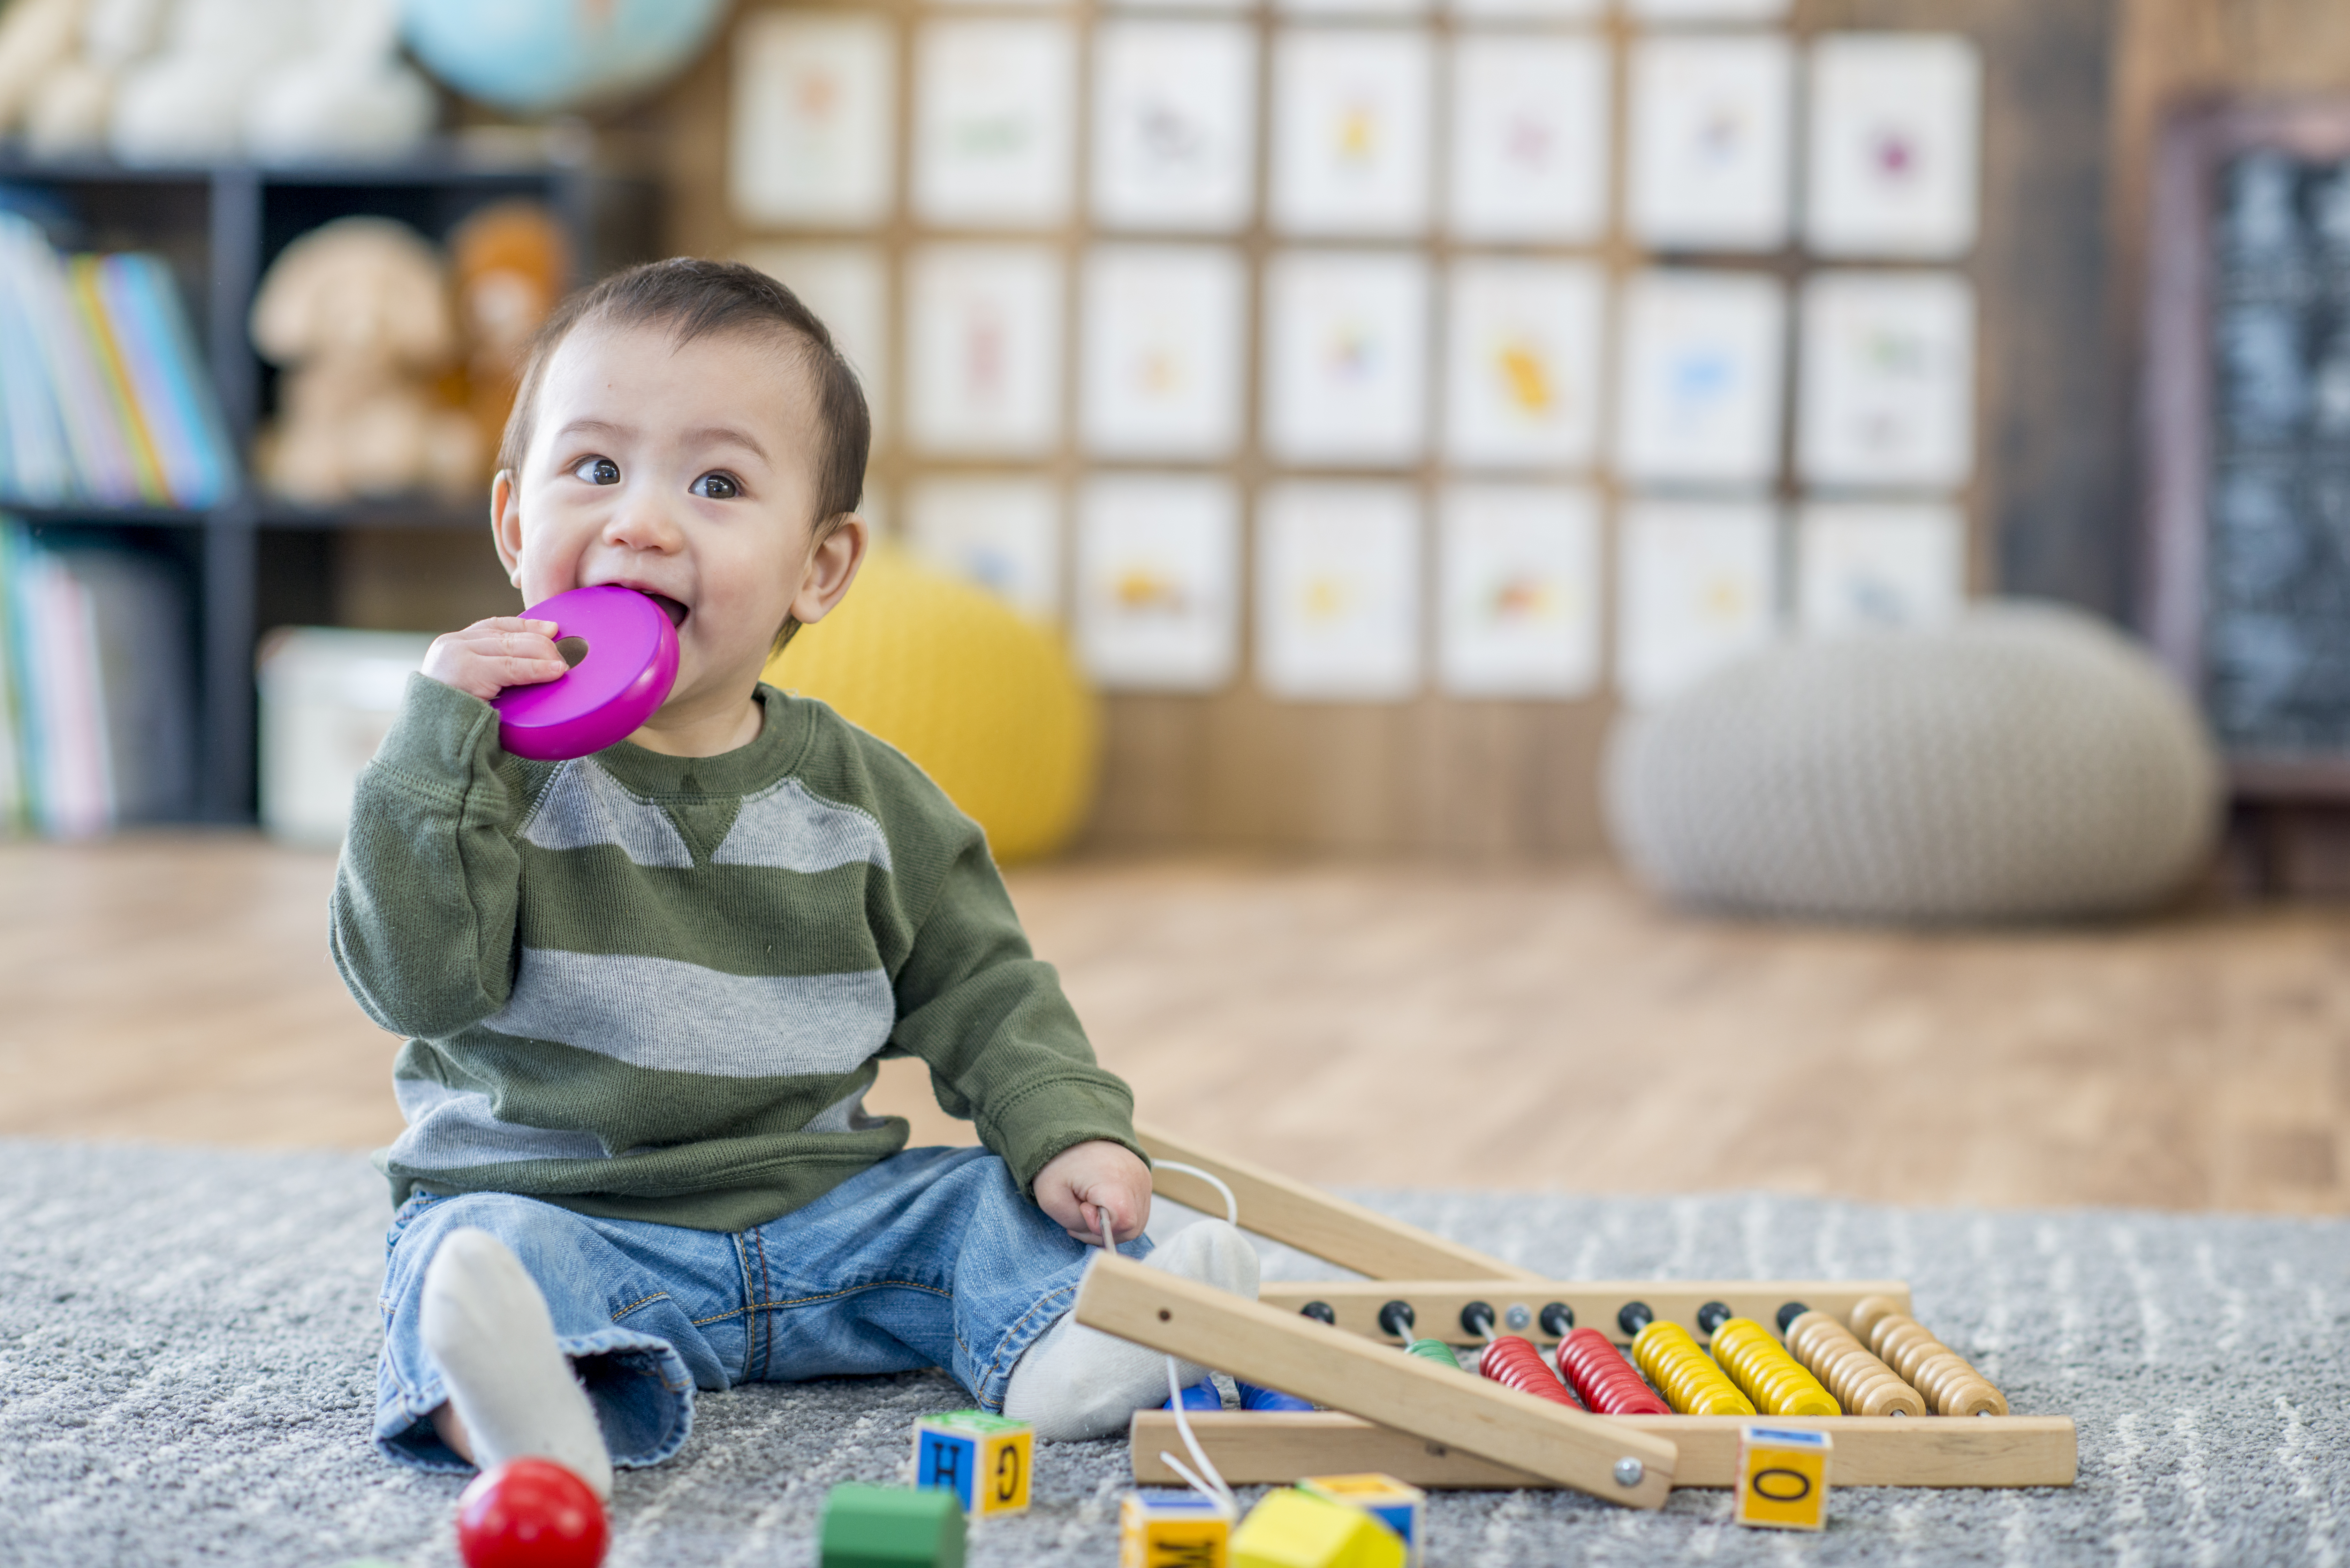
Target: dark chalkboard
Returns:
[[2248, 435]]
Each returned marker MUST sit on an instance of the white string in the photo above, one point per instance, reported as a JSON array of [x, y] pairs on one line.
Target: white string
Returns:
[[1232, 1204], [1213, 1488]]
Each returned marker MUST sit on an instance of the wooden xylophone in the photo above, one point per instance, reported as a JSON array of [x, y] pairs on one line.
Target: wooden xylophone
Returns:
[[1790, 1351]]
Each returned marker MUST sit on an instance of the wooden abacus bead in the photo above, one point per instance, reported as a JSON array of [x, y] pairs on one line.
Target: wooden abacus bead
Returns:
[[1868, 1312], [1861, 1382], [1764, 1371], [1950, 1386]]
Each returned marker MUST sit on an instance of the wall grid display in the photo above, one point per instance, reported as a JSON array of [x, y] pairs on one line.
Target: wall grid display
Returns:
[[1358, 349]]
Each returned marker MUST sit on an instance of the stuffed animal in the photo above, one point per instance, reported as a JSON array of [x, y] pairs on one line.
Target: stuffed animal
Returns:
[[347, 96], [358, 313], [512, 264], [37, 36], [188, 102], [69, 111]]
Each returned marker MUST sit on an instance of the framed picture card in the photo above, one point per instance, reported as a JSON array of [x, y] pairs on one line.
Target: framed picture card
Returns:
[[1174, 125], [1157, 586], [1522, 364], [1352, 8], [813, 141], [1161, 351], [1676, 11], [1529, 10], [1002, 533], [983, 349], [1864, 566], [1697, 588], [1519, 591], [1529, 143], [1351, 131], [1896, 145], [1887, 380], [1346, 345], [995, 112], [1337, 592], [1712, 128], [1698, 378], [847, 286]]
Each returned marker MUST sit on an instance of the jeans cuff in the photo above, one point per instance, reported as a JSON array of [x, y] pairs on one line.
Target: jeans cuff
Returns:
[[639, 1384]]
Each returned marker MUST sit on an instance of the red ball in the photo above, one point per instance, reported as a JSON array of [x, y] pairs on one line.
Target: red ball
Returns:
[[530, 1513]]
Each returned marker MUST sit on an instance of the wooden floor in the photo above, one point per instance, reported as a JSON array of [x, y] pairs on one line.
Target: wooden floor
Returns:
[[1381, 1024]]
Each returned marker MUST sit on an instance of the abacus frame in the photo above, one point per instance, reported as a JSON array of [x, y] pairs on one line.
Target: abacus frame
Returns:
[[1374, 1429]]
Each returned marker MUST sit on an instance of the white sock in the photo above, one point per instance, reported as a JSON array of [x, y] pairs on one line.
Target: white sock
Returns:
[[487, 1326], [1078, 1382]]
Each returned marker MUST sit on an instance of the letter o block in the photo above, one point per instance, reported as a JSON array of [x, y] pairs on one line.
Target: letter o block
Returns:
[[1782, 1477]]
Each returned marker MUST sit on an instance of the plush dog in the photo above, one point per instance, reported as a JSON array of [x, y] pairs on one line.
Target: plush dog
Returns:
[[356, 312]]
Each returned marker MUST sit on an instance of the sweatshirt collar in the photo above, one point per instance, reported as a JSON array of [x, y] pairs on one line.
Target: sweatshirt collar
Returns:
[[748, 768]]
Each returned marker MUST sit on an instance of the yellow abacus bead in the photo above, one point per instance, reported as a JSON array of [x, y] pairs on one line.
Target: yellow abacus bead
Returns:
[[1770, 1376], [1685, 1375]]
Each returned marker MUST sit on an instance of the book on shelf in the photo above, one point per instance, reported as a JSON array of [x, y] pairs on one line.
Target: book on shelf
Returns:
[[97, 691], [103, 397]]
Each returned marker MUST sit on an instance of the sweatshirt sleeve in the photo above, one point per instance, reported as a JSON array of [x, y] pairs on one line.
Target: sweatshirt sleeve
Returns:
[[423, 919], [1003, 1045]]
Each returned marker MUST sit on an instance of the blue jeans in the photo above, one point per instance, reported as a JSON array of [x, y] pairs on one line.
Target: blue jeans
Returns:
[[932, 1258]]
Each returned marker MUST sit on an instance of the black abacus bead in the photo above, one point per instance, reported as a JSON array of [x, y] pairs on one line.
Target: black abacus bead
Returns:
[[1396, 1318], [1712, 1316], [1789, 1314], [1477, 1317], [1320, 1312], [1556, 1319], [1634, 1316]]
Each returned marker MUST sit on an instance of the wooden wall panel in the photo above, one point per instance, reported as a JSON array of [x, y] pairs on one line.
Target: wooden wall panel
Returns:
[[1480, 779]]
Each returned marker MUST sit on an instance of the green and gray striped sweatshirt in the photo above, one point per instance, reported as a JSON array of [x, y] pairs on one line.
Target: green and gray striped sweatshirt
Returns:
[[649, 987]]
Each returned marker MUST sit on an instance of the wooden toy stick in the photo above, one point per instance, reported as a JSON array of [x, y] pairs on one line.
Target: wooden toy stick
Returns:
[[1437, 1303], [1299, 1216], [1884, 1450], [1282, 1350]]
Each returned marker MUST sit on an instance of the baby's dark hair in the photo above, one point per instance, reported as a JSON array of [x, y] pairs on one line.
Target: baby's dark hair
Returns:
[[692, 297]]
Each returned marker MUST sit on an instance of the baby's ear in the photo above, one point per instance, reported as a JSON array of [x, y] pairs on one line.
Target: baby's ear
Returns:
[[831, 568]]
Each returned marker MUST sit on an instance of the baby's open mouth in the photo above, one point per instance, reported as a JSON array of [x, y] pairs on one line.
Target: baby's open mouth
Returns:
[[669, 607]]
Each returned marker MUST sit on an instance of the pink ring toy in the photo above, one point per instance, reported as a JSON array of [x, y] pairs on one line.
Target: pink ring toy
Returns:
[[606, 696]]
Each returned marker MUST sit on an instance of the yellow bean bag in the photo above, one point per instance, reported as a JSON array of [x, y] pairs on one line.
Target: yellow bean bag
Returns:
[[988, 703]]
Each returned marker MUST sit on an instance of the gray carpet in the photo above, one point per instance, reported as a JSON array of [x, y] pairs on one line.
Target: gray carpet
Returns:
[[187, 1345]]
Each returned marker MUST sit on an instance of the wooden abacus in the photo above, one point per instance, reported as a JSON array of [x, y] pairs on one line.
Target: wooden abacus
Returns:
[[1435, 1427]]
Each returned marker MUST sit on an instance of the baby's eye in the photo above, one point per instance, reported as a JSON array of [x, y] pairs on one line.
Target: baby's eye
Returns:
[[715, 487], [597, 471]]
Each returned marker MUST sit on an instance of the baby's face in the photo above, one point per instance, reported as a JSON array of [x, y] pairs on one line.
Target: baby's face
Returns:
[[687, 471]]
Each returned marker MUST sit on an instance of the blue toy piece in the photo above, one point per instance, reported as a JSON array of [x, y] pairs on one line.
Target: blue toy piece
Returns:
[[1256, 1398], [1201, 1396]]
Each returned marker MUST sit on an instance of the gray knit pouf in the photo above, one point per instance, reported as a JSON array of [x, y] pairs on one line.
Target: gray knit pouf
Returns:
[[2022, 762]]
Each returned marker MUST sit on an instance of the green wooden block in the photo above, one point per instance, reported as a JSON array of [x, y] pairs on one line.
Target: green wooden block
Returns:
[[890, 1527]]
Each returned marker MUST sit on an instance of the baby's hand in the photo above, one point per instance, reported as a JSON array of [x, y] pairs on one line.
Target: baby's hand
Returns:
[[1083, 1181], [490, 655]]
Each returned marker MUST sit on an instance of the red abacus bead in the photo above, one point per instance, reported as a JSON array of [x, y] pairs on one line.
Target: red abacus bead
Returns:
[[1608, 1383], [530, 1513], [1515, 1363]]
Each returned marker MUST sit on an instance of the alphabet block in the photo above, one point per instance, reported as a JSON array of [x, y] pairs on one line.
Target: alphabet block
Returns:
[[1173, 1530], [983, 1459], [888, 1527], [1293, 1529], [1399, 1507], [1782, 1477]]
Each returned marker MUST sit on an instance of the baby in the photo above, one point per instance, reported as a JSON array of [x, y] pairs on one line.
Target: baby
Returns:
[[645, 992]]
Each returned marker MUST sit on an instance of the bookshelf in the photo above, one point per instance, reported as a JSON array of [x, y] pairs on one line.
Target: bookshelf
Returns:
[[251, 560]]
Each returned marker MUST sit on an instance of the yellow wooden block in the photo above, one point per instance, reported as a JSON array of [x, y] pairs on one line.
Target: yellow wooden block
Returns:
[[983, 1459], [1782, 1477], [1293, 1529], [1400, 1507], [1173, 1530]]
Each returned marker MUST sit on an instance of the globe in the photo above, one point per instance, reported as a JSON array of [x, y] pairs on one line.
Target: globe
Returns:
[[542, 56]]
